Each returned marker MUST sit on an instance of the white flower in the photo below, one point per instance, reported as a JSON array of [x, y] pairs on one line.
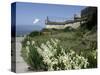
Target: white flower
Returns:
[[33, 42], [57, 40], [95, 57], [44, 47], [50, 68], [58, 68], [28, 42], [47, 60], [72, 52], [48, 51], [54, 61], [27, 48], [49, 45], [39, 50], [54, 42]]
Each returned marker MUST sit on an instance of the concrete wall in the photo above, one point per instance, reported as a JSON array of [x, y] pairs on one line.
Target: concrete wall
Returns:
[[73, 25], [55, 26]]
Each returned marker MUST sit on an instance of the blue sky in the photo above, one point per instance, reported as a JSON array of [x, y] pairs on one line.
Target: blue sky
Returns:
[[35, 13]]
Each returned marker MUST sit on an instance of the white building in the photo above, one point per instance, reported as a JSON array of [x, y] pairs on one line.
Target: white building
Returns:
[[61, 25]]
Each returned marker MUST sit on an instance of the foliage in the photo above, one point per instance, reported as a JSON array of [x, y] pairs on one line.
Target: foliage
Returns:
[[50, 55], [82, 42], [35, 33]]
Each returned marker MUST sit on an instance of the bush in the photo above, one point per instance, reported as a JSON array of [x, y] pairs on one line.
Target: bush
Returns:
[[92, 58], [50, 55], [34, 33]]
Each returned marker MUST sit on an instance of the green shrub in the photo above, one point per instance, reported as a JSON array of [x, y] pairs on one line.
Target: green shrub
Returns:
[[91, 55], [50, 55], [34, 33], [92, 58]]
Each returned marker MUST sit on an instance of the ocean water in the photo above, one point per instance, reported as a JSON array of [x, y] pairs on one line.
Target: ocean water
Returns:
[[22, 30]]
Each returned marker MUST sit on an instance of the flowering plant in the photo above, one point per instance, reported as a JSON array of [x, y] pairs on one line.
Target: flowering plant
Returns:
[[50, 55]]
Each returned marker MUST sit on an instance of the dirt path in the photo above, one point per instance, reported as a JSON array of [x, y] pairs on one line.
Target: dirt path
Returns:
[[21, 66]]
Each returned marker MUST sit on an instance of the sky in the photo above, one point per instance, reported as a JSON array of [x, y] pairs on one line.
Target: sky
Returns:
[[36, 13]]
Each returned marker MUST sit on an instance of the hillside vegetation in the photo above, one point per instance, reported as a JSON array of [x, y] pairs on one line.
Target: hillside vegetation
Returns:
[[81, 40], [63, 49]]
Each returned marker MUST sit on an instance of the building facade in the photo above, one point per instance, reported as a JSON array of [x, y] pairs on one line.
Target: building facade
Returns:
[[75, 23], [89, 14]]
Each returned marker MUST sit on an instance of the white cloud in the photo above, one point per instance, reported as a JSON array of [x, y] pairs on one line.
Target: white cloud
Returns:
[[35, 21]]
